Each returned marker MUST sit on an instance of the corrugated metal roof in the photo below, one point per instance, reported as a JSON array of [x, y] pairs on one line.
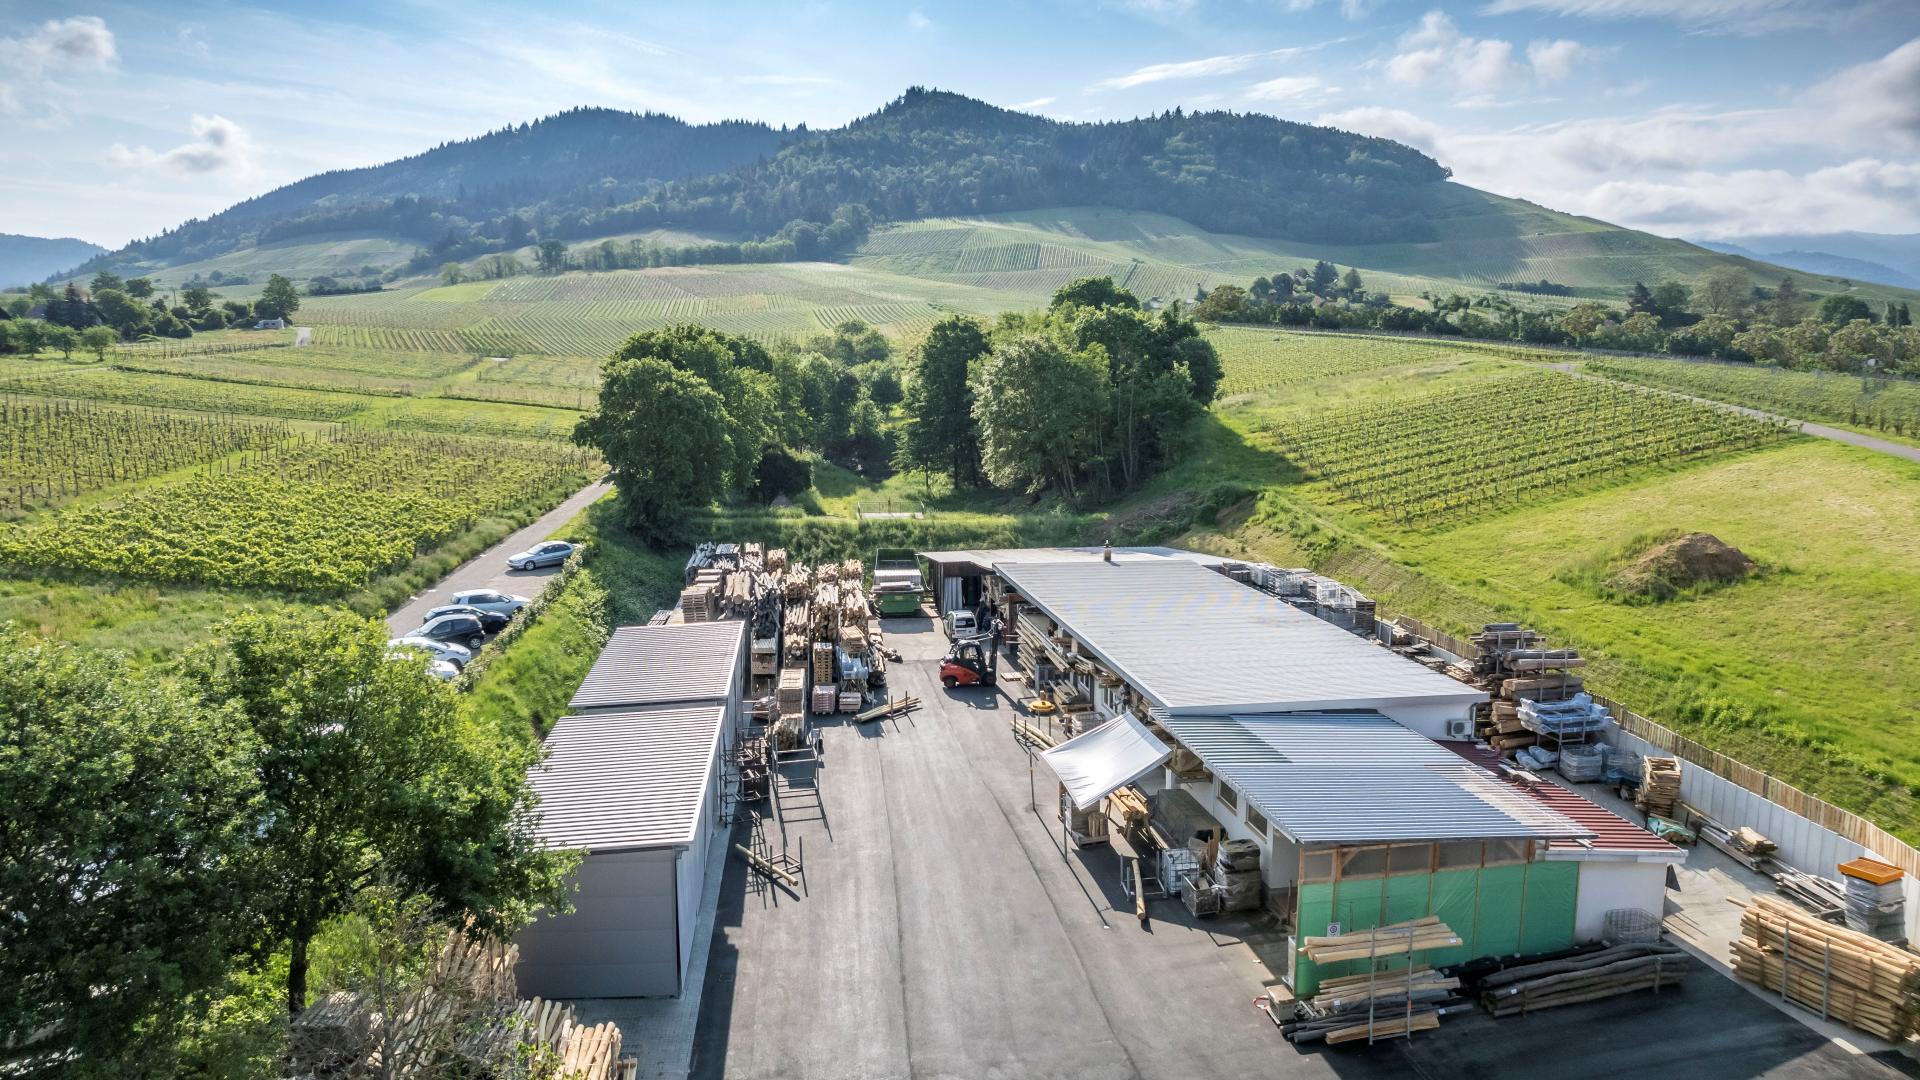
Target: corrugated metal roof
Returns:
[[1359, 777], [985, 558], [657, 665], [1612, 834], [625, 780], [1195, 640]]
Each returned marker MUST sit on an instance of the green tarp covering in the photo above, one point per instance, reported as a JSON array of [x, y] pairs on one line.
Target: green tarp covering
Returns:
[[1496, 910]]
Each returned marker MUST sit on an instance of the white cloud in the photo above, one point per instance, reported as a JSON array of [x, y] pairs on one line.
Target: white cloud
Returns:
[[1030, 106], [1185, 69], [80, 42], [1292, 90], [1554, 61], [1396, 124], [1880, 98], [1475, 66], [9, 101], [918, 20], [785, 80], [219, 146]]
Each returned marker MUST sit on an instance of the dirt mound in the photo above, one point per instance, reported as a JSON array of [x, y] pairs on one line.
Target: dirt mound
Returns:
[[1685, 562]]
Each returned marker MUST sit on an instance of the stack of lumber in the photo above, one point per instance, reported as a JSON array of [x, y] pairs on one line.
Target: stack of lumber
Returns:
[[1621, 969], [1512, 663], [823, 662], [853, 605], [1394, 939], [1128, 807], [739, 592], [1659, 786], [1842, 974], [1826, 899], [1876, 898], [577, 1050], [851, 700], [796, 583], [826, 698], [791, 730], [793, 689], [1340, 1011], [794, 624], [700, 601], [1743, 845]]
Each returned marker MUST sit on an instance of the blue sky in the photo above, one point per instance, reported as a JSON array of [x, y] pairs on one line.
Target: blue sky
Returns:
[[1714, 118]]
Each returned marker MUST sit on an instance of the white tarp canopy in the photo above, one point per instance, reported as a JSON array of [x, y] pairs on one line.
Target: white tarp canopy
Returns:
[[1094, 764]]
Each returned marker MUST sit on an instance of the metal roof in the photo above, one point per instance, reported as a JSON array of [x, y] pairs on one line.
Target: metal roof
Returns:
[[657, 665], [985, 558], [1195, 640], [1613, 835], [1359, 777], [616, 781]]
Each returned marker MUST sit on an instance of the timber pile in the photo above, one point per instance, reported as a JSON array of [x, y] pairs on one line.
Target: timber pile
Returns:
[[1391, 940], [1743, 845], [1536, 693], [1397, 1001], [1622, 969], [793, 650], [1128, 807], [1842, 974], [823, 663], [700, 601], [1659, 786], [793, 689], [776, 561]]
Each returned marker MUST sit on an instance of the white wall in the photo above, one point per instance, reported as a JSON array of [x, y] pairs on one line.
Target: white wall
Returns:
[[1429, 720], [622, 939], [1606, 885]]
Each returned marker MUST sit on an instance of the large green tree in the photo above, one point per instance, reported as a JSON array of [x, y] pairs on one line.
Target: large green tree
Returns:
[[1040, 408], [127, 811], [664, 434], [942, 433], [369, 773], [1093, 292], [279, 299], [738, 369]]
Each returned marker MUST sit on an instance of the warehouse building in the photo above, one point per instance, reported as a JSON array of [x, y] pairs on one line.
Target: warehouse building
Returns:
[[1350, 767], [958, 578], [633, 778]]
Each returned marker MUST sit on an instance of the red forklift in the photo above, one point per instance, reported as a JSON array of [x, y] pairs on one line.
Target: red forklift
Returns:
[[973, 661]]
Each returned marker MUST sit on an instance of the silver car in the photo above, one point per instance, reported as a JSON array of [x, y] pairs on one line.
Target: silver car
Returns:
[[494, 600], [457, 655], [550, 553]]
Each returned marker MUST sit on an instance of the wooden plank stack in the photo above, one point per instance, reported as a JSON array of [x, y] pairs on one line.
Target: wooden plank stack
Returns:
[[1845, 975], [1621, 969], [1397, 1001], [1659, 786], [826, 699], [823, 663], [1395, 939], [700, 601], [1513, 664]]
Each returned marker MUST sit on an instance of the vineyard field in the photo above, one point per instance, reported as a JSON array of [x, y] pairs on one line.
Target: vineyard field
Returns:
[[309, 514], [1458, 454], [1253, 359], [316, 367], [457, 417], [1879, 403], [202, 395], [53, 449]]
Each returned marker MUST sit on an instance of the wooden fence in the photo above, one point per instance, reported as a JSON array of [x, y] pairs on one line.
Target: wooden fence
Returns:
[[1843, 823]]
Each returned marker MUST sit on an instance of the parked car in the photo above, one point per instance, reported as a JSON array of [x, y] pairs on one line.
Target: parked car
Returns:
[[443, 670], [454, 656], [458, 629], [551, 553], [493, 621], [489, 600]]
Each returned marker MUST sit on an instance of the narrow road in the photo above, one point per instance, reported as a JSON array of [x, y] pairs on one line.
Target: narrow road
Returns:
[[1851, 438], [488, 570]]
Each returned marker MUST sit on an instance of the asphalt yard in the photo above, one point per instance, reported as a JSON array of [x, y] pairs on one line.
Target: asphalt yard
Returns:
[[942, 932]]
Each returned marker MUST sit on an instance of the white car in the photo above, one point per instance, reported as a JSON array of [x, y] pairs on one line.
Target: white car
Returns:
[[489, 600], [550, 553], [442, 670], [457, 655]]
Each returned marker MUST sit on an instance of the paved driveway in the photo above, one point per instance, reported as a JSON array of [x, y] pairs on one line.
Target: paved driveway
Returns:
[[942, 933], [488, 570]]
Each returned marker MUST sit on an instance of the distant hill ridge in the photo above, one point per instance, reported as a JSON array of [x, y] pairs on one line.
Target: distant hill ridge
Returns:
[[596, 172], [27, 259]]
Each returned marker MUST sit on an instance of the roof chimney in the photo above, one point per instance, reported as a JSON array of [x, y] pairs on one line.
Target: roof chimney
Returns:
[[1106, 551]]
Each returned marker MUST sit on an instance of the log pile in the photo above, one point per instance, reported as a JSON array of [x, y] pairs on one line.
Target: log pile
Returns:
[[1395, 939], [1622, 969], [1842, 974], [1387, 1004], [776, 561], [1659, 786]]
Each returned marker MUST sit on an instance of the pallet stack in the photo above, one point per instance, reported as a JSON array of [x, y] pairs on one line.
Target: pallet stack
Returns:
[[700, 601], [793, 689], [1512, 663], [1659, 787], [1844, 975], [826, 699], [1236, 875], [1876, 901]]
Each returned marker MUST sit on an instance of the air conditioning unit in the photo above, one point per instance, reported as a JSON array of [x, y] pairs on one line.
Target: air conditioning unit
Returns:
[[1459, 729]]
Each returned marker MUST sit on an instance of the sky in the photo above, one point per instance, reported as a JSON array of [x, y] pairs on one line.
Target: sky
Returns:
[[1698, 118]]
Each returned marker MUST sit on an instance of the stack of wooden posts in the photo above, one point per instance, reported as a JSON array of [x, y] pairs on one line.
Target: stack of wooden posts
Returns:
[[1659, 786], [1617, 970], [1128, 808], [1394, 939], [796, 583], [1743, 845], [1381, 1005], [793, 625], [739, 591], [776, 561], [1512, 664], [1844, 975]]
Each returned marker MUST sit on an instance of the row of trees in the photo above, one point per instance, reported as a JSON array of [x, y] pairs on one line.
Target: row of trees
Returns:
[[114, 309], [1724, 317], [687, 415], [1091, 394], [170, 838]]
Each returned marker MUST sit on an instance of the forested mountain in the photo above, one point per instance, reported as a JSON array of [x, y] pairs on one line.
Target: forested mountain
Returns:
[[26, 259], [1851, 267], [597, 172]]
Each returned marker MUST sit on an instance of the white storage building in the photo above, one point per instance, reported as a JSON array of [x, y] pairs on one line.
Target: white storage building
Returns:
[[634, 779]]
